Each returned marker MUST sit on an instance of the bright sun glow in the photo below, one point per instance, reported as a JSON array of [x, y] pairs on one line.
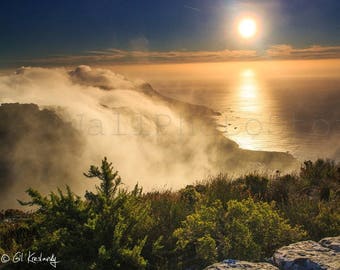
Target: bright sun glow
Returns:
[[247, 28]]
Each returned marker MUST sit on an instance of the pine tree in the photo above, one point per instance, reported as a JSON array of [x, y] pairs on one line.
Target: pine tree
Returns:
[[110, 180]]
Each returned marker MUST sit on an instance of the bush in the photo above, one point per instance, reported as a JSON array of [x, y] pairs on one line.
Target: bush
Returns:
[[113, 228], [108, 230], [198, 231], [245, 230], [328, 220]]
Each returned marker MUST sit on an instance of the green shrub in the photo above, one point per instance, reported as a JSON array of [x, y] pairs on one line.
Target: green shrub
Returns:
[[199, 230], [108, 230], [328, 220], [244, 230], [113, 228]]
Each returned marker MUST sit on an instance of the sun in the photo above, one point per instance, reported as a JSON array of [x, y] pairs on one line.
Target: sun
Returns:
[[247, 28]]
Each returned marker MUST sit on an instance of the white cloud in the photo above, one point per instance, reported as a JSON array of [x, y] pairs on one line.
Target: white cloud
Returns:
[[285, 51], [149, 138], [117, 56], [142, 56]]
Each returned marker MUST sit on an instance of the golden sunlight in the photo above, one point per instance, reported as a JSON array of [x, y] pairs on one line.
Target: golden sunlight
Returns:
[[247, 28], [248, 91]]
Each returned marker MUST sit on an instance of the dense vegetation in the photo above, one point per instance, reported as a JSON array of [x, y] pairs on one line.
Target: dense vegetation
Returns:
[[114, 228]]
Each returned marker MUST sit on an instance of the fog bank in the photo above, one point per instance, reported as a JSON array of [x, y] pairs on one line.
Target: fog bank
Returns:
[[85, 114]]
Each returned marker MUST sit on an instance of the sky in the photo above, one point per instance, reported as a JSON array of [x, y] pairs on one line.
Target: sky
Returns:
[[41, 32]]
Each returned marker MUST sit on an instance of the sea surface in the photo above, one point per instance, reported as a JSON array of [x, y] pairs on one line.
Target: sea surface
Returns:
[[287, 106]]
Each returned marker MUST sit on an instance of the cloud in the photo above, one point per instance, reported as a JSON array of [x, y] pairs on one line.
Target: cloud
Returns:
[[143, 56], [140, 55], [285, 51], [157, 141], [281, 51], [192, 8], [139, 43]]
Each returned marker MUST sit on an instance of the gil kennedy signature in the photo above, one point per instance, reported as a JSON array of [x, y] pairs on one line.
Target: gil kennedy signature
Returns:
[[30, 258]]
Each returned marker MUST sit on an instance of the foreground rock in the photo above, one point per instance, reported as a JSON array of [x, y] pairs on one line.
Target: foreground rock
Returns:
[[240, 265], [331, 242], [307, 255]]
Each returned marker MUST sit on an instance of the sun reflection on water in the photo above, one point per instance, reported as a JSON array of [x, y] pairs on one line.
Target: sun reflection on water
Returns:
[[250, 110], [248, 90], [247, 73]]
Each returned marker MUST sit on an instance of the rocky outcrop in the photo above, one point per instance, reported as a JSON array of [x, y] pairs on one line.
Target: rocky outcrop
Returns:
[[331, 242], [240, 265], [306, 255]]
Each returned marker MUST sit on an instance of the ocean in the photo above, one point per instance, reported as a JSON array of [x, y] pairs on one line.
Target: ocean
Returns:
[[286, 106]]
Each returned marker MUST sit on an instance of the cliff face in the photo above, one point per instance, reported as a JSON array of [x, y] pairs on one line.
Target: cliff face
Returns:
[[37, 149], [306, 255]]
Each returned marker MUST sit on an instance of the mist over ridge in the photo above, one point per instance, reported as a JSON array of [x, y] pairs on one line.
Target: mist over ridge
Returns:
[[84, 114]]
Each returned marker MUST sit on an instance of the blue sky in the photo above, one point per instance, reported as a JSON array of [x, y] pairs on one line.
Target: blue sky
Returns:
[[36, 29]]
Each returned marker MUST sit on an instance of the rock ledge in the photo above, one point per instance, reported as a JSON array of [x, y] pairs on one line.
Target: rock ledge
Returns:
[[305, 255]]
